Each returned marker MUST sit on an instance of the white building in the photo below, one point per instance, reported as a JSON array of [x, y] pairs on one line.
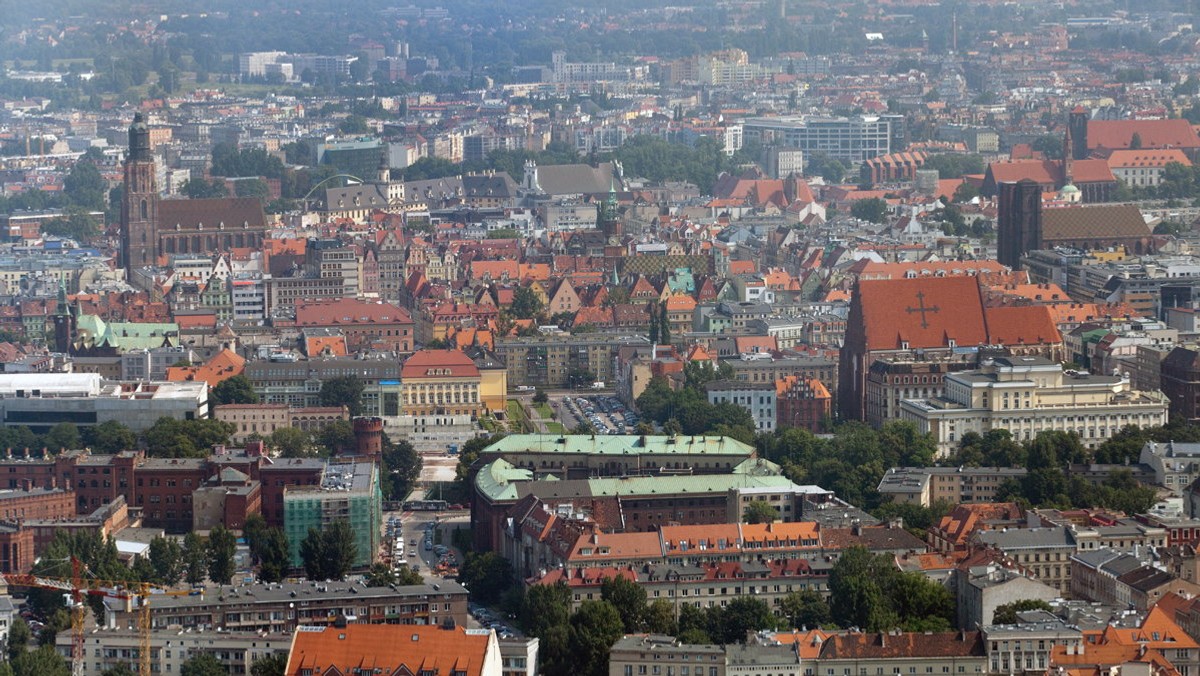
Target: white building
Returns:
[[1176, 466], [170, 648], [42, 400], [1029, 395], [254, 64], [757, 398]]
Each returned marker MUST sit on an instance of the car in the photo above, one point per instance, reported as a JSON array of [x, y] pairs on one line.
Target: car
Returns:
[[428, 546], [412, 542], [412, 555]]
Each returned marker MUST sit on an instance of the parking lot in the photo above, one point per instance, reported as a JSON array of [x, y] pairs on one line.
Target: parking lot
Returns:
[[605, 413]]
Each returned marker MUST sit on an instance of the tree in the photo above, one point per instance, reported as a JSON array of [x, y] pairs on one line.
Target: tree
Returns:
[[274, 664], [62, 436], [525, 303], [199, 188], [760, 511], [545, 607], [235, 390], [78, 225], [578, 376], [741, 616], [195, 559], [45, 661], [336, 437], [329, 554], [171, 438], [1135, 141], [85, 187], [119, 669], [401, 467], [660, 618], [222, 545], [166, 557], [965, 192], [271, 551], [251, 187], [856, 589], [343, 391], [664, 333], [540, 397], [1007, 613], [693, 625], [487, 575], [1049, 145], [629, 598], [18, 637], [873, 210], [655, 328], [202, 664], [381, 575], [595, 627], [290, 442], [806, 609], [109, 437]]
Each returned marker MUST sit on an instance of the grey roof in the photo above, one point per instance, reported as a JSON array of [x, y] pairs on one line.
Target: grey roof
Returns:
[[1026, 538], [576, 179], [288, 591]]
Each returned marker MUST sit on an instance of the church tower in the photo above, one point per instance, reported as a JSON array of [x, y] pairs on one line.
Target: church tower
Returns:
[[608, 217], [139, 205], [64, 322]]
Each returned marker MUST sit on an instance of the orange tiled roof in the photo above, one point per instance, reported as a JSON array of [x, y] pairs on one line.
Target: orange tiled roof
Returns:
[[390, 648], [223, 366], [1177, 133]]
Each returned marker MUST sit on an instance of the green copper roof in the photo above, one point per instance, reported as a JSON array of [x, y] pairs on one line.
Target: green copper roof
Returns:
[[619, 444]]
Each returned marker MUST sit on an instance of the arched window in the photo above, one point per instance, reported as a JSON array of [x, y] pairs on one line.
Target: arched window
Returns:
[[144, 210]]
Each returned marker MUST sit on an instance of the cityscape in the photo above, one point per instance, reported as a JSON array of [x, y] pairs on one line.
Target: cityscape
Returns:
[[496, 338]]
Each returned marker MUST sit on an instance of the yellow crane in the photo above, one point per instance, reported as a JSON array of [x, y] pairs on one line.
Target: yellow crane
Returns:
[[78, 587]]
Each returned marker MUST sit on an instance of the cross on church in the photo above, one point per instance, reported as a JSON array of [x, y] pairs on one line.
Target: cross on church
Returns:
[[922, 309]]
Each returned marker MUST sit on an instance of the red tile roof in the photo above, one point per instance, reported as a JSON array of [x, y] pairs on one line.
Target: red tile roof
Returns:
[[348, 312], [922, 312], [1113, 134], [438, 364], [391, 649]]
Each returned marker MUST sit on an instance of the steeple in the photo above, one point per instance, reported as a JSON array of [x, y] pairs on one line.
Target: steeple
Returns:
[[139, 139]]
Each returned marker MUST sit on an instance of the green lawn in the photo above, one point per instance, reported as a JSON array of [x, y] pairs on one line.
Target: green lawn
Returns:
[[517, 420], [544, 410], [555, 428]]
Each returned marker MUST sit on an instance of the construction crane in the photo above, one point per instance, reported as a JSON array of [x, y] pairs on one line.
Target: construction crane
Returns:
[[78, 587]]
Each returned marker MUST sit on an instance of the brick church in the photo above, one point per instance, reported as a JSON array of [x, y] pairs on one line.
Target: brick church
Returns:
[[153, 228], [932, 319]]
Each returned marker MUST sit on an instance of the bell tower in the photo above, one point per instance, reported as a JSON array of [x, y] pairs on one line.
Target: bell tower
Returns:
[[139, 205]]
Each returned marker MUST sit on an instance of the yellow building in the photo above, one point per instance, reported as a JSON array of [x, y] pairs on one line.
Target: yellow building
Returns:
[[493, 378], [440, 382]]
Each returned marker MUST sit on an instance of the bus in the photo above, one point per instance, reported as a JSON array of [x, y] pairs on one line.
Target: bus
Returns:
[[426, 505]]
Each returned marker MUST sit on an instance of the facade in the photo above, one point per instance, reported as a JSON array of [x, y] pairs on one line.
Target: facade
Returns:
[[264, 419], [1180, 381], [298, 383], [391, 649], [982, 589], [284, 607], [580, 457], [847, 139], [759, 400], [804, 403], [951, 485], [440, 382], [363, 323], [640, 655], [42, 400], [108, 647], [891, 381], [348, 492], [1029, 395], [1176, 466], [545, 361]]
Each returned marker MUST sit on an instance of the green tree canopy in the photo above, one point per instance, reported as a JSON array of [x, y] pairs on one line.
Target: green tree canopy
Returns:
[[291, 442], [806, 609], [595, 627], [525, 303], [487, 575], [235, 390], [222, 545], [110, 437], [329, 553], [629, 598], [873, 210], [343, 391], [760, 511], [166, 557], [203, 664]]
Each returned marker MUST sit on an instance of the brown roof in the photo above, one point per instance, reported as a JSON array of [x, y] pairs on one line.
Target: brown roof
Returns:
[[388, 649], [348, 312], [439, 364], [230, 211], [1153, 133], [906, 645], [1100, 221], [1021, 325], [1049, 172]]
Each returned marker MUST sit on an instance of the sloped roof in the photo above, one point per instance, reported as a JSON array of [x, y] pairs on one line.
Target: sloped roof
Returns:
[[1176, 133], [923, 312], [1021, 325], [1154, 157], [388, 648], [1098, 221], [230, 211], [438, 364], [348, 312], [575, 179]]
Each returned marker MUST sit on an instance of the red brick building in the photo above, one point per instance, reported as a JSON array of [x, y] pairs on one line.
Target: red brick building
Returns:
[[363, 323], [802, 402], [16, 548], [36, 503]]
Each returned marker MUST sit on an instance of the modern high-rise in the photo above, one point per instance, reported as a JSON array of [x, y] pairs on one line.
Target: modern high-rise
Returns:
[[848, 139]]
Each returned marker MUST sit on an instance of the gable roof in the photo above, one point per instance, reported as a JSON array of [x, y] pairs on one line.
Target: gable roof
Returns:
[[922, 312], [1178, 133], [230, 211], [387, 648], [1099, 221]]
